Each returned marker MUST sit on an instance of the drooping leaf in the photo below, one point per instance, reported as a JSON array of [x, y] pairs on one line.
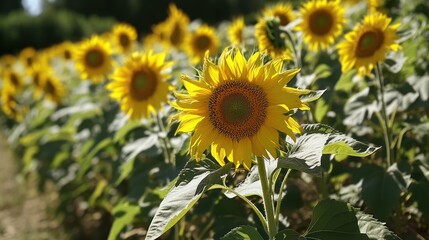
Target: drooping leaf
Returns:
[[373, 228], [124, 214], [318, 128], [250, 186], [312, 96], [332, 220], [243, 233], [193, 180], [359, 107], [344, 145], [395, 61]]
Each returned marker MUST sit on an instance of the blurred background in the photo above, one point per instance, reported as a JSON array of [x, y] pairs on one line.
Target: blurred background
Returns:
[[42, 23]]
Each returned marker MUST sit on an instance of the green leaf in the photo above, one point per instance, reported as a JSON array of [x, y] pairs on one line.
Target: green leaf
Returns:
[[288, 234], [306, 154], [332, 220], [243, 233], [322, 71], [344, 145], [345, 82], [381, 193], [124, 130], [321, 109], [359, 107], [420, 195], [374, 229], [97, 192], [318, 139], [124, 214], [85, 162], [193, 180], [312, 96], [395, 61]]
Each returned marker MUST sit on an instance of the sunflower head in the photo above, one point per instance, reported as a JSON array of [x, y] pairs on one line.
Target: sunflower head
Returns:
[[235, 31], [140, 84], [368, 43], [124, 37], [322, 22], [270, 39], [173, 31], [51, 86], [238, 107], [10, 105], [13, 79], [93, 60], [203, 39], [7, 61], [283, 12], [28, 57], [65, 50]]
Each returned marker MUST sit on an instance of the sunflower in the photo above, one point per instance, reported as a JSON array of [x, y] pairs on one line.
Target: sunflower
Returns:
[[7, 61], [203, 39], [52, 87], [173, 31], [28, 57], [139, 85], [270, 39], [238, 107], [64, 50], [124, 37], [93, 60], [322, 22], [283, 12], [13, 79], [9, 105], [235, 31], [368, 43], [37, 75]]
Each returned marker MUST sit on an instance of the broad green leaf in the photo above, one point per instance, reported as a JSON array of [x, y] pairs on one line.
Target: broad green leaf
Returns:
[[345, 82], [420, 195], [124, 130], [395, 61], [373, 228], [344, 145], [420, 85], [193, 180], [321, 109], [85, 163], [312, 96], [360, 107], [124, 214], [381, 193], [306, 154], [243, 233], [323, 71], [288, 234], [333, 220]]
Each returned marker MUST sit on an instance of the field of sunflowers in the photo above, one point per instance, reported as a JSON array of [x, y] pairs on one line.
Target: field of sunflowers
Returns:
[[301, 121]]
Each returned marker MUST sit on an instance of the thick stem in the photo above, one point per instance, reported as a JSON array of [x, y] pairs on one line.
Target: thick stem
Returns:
[[267, 198], [167, 154], [386, 130], [279, 200]]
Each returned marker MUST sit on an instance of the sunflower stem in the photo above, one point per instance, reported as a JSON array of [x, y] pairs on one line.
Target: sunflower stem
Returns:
[[386, 130], [279, 199], [167, 154], [267, 198], [294, 49]]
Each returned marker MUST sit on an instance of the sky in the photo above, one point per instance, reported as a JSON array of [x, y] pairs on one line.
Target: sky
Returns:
[[33, 7]]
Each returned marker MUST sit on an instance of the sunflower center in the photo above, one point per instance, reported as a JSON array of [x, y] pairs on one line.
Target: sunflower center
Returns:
[[14, 79], [203, 42], [36, 78], [369, 43], [143, 85], [321, 22], [124, 40], [29, 61], [67, 54], [237, 109], [284, 20], [176, 35], [49, 87], [94, 58]]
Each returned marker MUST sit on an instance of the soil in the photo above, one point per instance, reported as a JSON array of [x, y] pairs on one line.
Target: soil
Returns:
[[24, 212]]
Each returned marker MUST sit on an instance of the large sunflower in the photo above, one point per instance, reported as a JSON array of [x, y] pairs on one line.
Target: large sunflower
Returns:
[[283, 12], [270, 39], [124, 37], [201, 40], [139, 85], [93, 59], [322, 22], [368, 43], [238, 107], [235, 31]]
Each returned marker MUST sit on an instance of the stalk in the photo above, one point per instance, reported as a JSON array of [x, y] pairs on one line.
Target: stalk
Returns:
[[267, 198]]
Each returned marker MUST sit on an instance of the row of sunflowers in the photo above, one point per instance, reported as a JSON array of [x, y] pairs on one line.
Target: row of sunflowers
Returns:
[[208, 132]]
